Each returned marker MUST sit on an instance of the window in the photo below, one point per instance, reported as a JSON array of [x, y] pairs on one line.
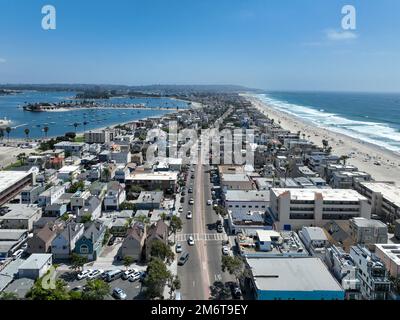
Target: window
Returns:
[[84, 249]]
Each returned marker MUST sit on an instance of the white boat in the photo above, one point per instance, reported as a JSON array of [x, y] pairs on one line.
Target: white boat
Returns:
[[4, 123]]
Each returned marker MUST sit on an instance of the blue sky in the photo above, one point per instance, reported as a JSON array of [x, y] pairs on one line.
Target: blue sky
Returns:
[[267, 44]]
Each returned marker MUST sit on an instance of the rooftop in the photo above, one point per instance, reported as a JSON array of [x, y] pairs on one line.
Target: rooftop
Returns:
[[241, 177], [367, 223], [388, 191], [247, 195], [20, 211], [9, 178], [36, 261], [292, 274], [392, 251], [327, 194], [164, 175]]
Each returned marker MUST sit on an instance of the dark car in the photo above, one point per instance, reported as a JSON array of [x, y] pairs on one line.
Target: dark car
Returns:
[[183, 258], [182, 199], [236, 292], [220, 228], [111, 241]]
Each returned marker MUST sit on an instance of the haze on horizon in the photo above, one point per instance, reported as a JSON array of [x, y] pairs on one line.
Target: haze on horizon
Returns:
[[272, 45]]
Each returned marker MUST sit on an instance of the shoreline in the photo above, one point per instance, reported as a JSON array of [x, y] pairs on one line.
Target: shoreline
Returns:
[[361, 154]]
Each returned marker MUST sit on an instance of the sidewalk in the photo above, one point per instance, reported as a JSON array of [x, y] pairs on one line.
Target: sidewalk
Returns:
[[173, 268]]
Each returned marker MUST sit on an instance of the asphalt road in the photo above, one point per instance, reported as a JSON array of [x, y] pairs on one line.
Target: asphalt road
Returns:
[[203, 269]]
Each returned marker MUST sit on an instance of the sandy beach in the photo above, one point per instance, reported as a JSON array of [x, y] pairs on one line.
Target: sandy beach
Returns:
[[361, 154]]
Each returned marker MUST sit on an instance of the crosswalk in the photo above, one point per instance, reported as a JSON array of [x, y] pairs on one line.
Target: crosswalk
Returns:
[[201, 236]]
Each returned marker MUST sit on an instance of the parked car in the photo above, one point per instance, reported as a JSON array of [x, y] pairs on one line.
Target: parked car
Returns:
[[135, 276], [209, 202], [127, 273], [236, 292], [190, 241], [178, 248], [182, 199], [17, 254], [191, 201], [180, 210], [189, 215], [119, 294], [183, 258], [111, 241], [225, 250], [113, 275], [84, 274], [95, 273], [190, 190], [220, 228]]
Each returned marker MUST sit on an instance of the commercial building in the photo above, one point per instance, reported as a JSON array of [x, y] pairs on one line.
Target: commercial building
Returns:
[[35, 266], [390, 256], [259, 243], [383, 197], [293, 279], [295, 208], [375, 283], [237, 221], [165, 181], [236, 181], [243, 201], [21, 216], [12, 182]]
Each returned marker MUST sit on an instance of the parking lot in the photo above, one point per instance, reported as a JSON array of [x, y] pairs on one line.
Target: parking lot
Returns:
[[133, 290]]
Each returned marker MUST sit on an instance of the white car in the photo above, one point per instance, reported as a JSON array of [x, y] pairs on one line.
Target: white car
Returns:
[[191, 241], [191, 201], [209, 202], [178, 248], [84, 274], [135, 276], [189, 215], [180, 210], [128, 273], [95, 273], [225, 250], [119, 294]]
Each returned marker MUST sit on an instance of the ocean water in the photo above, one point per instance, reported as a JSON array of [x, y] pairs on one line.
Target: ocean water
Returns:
[[371, 117], [61, 122]]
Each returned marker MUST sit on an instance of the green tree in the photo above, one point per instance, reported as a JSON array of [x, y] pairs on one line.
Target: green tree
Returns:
[[8, 296], [27, 131], [156, 279], [344, 158], [234, 265], [76, 124], [77, 262], [95, 289], [76, 186], [128, 260], [45, 130], [39, 292], [161, 250], [127, 206], [86, 218], [8, 130], [175, 224]]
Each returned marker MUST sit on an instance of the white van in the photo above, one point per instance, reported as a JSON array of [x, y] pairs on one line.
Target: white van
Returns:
[[113, 275]]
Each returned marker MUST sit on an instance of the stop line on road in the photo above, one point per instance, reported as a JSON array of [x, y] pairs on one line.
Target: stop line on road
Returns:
[[201, 236]]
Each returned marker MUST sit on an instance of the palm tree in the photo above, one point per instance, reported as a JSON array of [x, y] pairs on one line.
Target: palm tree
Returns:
[[45, 130], [344, 159], [76, 124], [8, 130], [1, 134], [84, 126], [288, 169], [26, 130]]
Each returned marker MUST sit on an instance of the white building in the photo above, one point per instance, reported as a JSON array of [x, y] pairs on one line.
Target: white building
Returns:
[[314, 239], [236, 181], [243, 201], [375, 284], [35, 266], [344, 269], [114, 197], [383, 197], [295, 208], [50, 195], [21, 216], [99, 136], [390, 256], [67, 173]]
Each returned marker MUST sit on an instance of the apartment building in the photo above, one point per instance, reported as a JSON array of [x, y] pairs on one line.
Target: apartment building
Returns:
[[367, 232], [383, 197], [390, 256], [295, 208], [375, 283]]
